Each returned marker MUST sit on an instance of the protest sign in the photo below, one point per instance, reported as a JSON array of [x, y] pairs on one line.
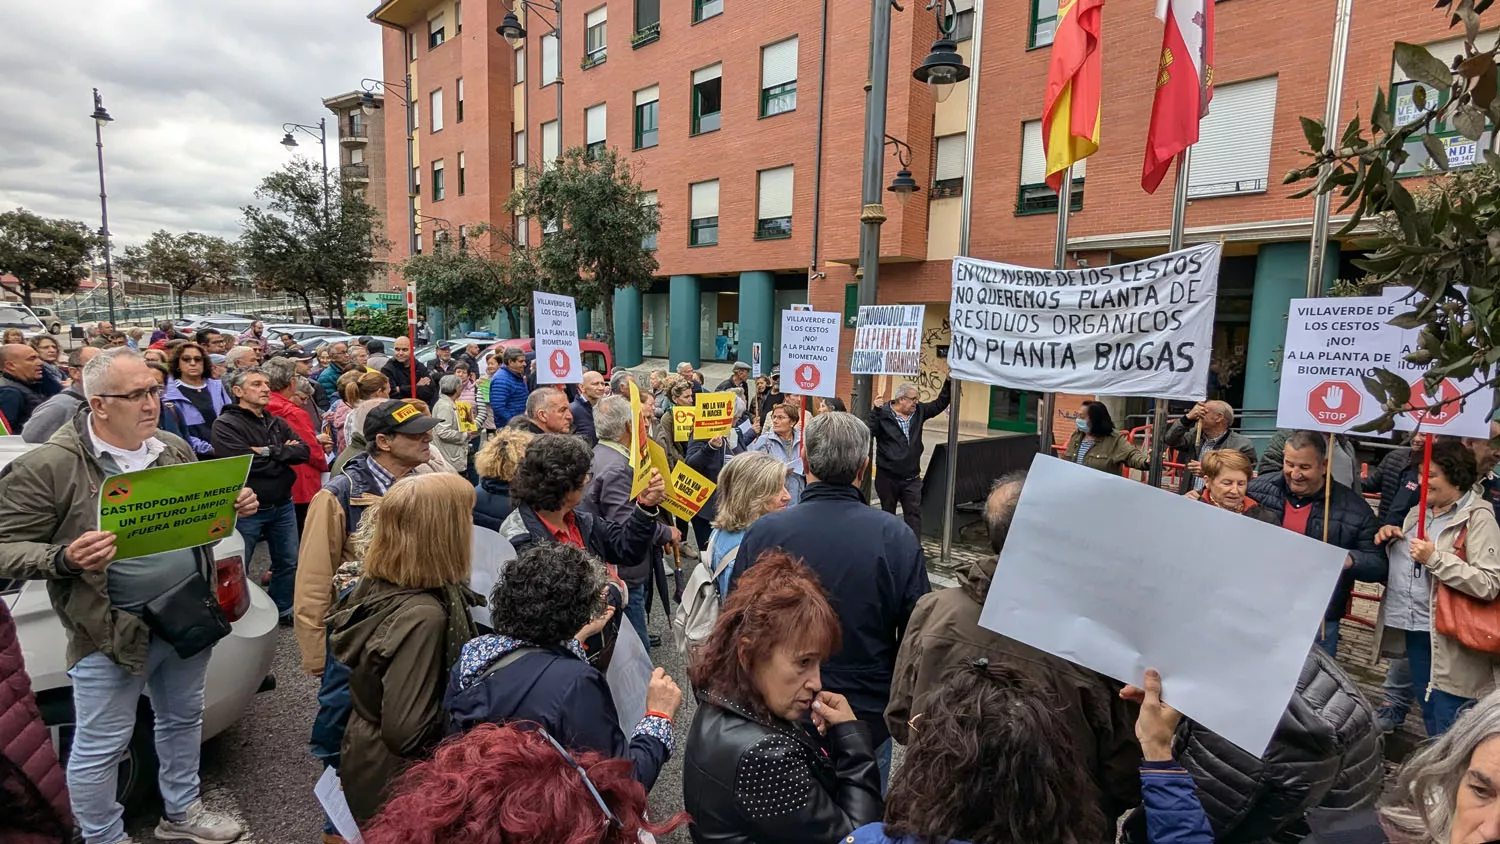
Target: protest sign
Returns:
[[657, 457], [554, 326], [754, 360], [168, 508], [888, 340], [810, 351], [638, 463], [629, 677], [687, 491], [1468, 417], [489, 554], [1137, 329], [1228, 630], [682, 424], [713, 415], [467, 422]]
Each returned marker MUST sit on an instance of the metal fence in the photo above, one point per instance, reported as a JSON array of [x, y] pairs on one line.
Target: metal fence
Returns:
[[146, 308]]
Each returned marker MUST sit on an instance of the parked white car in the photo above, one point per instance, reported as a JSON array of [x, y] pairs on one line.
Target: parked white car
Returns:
[[239, 668]]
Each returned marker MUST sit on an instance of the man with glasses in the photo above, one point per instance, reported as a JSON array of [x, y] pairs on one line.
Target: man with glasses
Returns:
[[56, 411], [896, 427], [339, 362], [49, 507], [247, 428], [398, 370], [213, 340]]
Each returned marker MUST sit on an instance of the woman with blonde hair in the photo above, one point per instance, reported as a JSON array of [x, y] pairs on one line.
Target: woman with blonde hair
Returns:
[[496, 464], [751, 485], [401, 627]]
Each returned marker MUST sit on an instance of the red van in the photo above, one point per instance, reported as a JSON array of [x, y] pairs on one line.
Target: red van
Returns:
[[595, 354]]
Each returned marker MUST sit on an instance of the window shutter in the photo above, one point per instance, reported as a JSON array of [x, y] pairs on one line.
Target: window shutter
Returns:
[[1033, 154], [775, 193], [705, 200], [961, 6], [708, 74], [778, 63], [549, 59], [520, 65], [596, 17], [950, 157], [437, 110], [521, 148], [1233, 153], [648, 197], [460, 85], [551, 150], [648, 95], [1444, 51], [594, 117]]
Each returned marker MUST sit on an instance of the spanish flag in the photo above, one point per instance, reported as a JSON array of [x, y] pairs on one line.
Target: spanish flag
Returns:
[[1075, 86]]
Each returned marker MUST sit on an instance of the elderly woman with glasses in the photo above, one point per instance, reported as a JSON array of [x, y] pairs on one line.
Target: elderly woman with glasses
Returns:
[[197, 399]]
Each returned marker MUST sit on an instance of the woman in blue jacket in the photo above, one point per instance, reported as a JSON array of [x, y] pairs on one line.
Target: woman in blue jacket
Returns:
[[990, 760], [196, 398]]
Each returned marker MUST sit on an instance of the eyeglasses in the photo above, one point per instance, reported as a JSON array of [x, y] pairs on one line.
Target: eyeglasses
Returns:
[[186, 359], [135, 396], [613, 821]]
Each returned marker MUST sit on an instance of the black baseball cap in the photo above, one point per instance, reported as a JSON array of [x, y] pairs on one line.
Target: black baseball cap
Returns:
[[396, 416]]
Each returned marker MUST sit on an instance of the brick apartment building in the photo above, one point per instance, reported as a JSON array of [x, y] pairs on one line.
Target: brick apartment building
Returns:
[[361, 146], [746, 121]]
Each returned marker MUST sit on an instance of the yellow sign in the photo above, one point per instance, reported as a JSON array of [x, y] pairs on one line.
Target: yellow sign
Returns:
[[682, 424], [466, 421], [642, 467], [687, 491], [715, 415], [658, 458]]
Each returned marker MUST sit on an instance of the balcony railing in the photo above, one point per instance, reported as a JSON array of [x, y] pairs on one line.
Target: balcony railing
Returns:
[[645, 35], [356, 172], [354, 134]]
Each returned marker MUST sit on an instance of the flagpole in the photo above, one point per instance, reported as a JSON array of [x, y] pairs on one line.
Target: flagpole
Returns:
[[1044, 411], [951, 480], [1174, 243], [1331, 131]]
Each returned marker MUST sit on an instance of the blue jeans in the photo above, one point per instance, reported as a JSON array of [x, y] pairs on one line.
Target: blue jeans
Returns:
[[1439, 708], [1330, 641], [278, 526], [1397, 691], [635, 610], [883, 760], [105, 697]]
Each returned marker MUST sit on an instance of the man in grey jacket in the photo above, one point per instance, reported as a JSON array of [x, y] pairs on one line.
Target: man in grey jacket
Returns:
[[1205, 428], [56, 411]]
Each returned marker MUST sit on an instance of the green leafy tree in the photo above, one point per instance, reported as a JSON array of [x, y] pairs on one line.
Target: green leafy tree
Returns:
[[43, 253], [490, 272], [592, 205], [291, 244], [183, 261], [384, 322], [1440, 236]]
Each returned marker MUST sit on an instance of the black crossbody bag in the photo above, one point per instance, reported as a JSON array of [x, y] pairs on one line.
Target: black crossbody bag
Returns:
[[188, 616]]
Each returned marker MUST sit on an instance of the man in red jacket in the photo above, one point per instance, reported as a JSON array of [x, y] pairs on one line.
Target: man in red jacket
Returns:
[[281, 373]]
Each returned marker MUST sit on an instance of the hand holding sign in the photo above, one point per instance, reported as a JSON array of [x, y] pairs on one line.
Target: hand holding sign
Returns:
[[655, 491], [247, 504], [92, 551]]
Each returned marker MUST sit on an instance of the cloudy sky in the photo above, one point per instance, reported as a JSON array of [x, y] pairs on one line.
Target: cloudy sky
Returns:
[[198, 89]]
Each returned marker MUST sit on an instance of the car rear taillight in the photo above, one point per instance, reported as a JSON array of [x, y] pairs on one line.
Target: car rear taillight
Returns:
[[231, 588]]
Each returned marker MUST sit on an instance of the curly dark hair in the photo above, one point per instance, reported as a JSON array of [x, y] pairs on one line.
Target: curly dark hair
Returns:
[[991, 760], [1456, 462], [174, 362], [554, 465], [548, 593]]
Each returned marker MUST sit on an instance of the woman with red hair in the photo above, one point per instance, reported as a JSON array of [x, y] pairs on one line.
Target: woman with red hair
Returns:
[[753, 772], [515, 785]]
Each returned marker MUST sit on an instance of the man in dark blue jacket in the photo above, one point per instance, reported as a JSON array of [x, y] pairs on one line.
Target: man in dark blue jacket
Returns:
[[593, 388], [896, 426], [24, 384], [869, 561], [508, 390]]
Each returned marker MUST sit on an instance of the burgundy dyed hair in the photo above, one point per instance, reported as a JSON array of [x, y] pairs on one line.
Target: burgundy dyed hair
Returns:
[[508, 785], [777, 602]]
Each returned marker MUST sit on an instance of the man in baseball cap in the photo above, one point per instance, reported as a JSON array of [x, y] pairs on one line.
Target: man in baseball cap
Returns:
[[396, 418]]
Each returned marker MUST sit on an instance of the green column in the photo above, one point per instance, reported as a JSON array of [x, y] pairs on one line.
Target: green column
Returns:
[[627, 327], [757, 315], [1280, 277], [682, 318], [437, 324]]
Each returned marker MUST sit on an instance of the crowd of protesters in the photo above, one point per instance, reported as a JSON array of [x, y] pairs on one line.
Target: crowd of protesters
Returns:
[[454, 716]]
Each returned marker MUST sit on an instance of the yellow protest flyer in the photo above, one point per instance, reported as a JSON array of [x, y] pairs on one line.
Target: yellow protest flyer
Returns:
[[658, 458], [714, 414], [466, 421], [682, 424], [687, 491]]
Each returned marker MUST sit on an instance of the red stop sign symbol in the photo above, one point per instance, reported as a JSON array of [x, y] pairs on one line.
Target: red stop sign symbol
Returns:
[[1334, 403], [807, 376], [559, 363], [1441, 414]]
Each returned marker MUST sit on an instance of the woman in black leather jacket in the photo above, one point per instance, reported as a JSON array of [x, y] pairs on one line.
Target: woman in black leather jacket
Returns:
[[755, 771]]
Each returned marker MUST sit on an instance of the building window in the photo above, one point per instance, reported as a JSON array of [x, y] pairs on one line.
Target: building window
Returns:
[[458, 17], [596, 36], [356, 124], [418, 250], [463, 238], [551, 143], [1034, 196], [948, 172], [416, 181], [550, 67], [439, 188], [773, 216], [703, 228], [1461, 152], [522, 231], [462, 186], [649, 199], [416, 113], [647, 22], [963, 20], [460, 86], [708, 98], [518, 155], [595, 125], [778, 78], [411, 47], [647, 111], [435, 33], [1043, 23], [520, 65], [1233, 153], [705, 9], [357, 156], [435, 109]]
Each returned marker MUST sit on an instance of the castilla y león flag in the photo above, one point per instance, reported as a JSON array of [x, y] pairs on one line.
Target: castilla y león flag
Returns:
[[1075, 83], [1184, 84]]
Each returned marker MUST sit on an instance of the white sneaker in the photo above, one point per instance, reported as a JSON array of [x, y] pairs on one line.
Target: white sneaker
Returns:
[[200, 826]]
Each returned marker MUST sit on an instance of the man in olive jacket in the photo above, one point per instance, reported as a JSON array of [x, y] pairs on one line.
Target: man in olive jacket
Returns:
[[49, 506], [944, 633]]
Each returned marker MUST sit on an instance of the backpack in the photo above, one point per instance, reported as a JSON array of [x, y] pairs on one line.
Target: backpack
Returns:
[[698, 610]]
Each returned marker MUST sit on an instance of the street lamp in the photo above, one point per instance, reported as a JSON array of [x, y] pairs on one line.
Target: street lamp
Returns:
[[510, 28], [401, 92], [290, 142], [944, 67], [102, 117], [903, 186]]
